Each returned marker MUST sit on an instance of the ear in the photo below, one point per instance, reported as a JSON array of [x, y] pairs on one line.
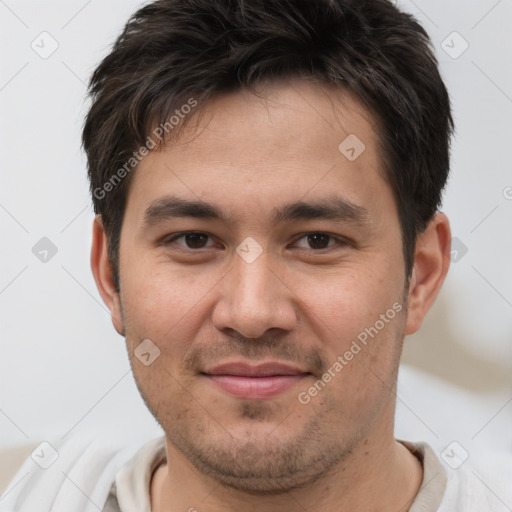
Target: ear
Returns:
[[103, 274], [431, 264]]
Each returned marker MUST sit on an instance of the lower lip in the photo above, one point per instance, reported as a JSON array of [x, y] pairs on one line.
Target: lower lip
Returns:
[[256, 388]]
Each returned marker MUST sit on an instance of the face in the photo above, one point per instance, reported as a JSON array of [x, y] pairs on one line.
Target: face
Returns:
[[279, 319]]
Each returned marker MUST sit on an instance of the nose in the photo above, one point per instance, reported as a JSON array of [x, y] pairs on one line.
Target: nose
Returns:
[[255, 297]]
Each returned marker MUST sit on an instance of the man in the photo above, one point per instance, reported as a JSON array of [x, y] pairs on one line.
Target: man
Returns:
[[267, 178]]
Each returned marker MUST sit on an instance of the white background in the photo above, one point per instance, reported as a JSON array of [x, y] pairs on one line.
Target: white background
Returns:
[[63, 368]]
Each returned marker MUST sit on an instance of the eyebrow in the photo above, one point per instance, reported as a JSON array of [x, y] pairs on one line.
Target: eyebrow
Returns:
[[329, 208]]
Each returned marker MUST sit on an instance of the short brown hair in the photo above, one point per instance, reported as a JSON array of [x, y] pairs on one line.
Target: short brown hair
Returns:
[[174, 50]]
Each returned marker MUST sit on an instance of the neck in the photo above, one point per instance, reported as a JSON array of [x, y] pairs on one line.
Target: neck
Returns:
[[380, 474]]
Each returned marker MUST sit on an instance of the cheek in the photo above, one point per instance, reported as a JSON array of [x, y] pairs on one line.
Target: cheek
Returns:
[[358, 325], [162, 302], [343, 304], [361, 348]]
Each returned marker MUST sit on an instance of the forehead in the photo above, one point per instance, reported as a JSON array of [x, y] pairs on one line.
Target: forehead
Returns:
[[284, 120], [290, 140]]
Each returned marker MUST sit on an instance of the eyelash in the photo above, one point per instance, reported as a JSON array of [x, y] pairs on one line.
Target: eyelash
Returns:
[[340, 241]]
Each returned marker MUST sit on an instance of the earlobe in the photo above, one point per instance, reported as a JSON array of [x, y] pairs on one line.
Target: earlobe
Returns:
[[103, 274], [431, 264]]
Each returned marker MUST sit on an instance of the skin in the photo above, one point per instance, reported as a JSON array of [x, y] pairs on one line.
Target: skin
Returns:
[[296, 302]]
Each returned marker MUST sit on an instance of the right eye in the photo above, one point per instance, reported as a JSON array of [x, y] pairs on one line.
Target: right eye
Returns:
[[193, 240]]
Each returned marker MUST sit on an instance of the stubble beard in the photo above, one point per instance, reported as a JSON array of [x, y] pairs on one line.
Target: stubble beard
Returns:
[[257, 464]]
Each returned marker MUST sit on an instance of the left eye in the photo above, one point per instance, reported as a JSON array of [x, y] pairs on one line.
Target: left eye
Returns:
[[319, 240]]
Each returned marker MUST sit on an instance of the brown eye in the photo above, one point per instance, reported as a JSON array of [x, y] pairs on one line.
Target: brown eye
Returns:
[[319, 241], [196, 240], [193, 240]]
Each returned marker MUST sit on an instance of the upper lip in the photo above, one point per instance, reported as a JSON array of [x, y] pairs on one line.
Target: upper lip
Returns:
[[254, 370]]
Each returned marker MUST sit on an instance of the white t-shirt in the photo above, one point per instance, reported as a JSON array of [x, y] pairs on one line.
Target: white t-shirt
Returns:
[[97, 475]]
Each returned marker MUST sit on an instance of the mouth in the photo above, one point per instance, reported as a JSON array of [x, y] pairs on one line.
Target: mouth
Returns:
[[255, 382]]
